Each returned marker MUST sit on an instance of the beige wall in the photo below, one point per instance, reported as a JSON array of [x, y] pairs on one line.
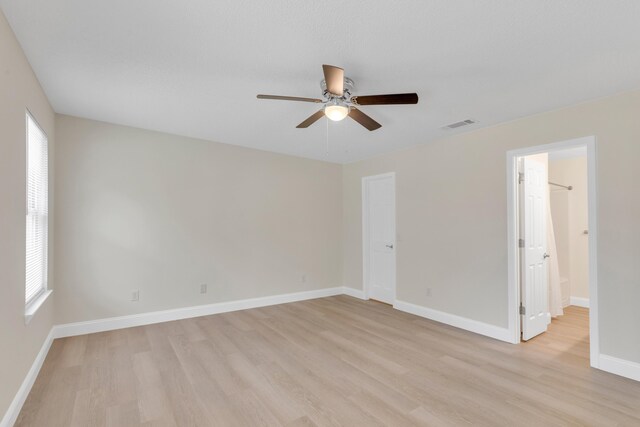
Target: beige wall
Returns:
[[163, 214], [452, 216], [19, 91], [570, 214]]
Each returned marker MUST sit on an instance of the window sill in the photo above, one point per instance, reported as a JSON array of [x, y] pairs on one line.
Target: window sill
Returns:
[[30, 310]]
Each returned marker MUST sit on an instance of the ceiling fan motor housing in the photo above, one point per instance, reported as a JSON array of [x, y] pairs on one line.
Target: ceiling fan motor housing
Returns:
[[346, 95]]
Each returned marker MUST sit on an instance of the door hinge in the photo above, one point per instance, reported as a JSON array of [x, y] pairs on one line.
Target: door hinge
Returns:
[[520, 177], [521, 243], [523, 310]]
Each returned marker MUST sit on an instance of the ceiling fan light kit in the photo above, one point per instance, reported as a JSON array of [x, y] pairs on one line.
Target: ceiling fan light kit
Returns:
[[336, 111], [339, 102]]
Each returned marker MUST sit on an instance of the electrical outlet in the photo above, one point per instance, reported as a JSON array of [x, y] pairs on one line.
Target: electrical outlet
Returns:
[[203, 288], [428, 292], [135, 295]]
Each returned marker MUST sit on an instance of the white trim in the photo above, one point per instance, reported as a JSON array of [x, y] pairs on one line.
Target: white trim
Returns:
[[365, 229], [607, 363], [592, 193], [113, 323], [31, 308], [356, 293], [513, 293], [621, 367], [579, 302], [486, 329], [13, 411], [513, 253]]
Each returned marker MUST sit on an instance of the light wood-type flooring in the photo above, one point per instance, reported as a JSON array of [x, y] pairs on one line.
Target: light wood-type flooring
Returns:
[[330, 361]]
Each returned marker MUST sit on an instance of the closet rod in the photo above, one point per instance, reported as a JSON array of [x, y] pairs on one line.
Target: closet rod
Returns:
[[568, 187]]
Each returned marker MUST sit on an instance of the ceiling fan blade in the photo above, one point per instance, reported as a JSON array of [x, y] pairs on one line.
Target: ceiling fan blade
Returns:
[[289, 98], [334, 77], [311, 119], [363, 119], [396, 98]]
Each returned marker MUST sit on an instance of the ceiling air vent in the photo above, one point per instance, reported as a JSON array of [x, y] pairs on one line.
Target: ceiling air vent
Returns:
[[457, 125]]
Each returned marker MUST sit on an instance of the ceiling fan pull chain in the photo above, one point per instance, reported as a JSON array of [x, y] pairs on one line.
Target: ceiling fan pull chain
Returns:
[[327, 148]]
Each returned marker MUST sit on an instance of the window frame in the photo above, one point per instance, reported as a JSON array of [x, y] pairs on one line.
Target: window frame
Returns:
[[37, 299]]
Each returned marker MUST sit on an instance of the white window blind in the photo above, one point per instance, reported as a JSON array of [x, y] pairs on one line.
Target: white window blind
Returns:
[[37, 211]]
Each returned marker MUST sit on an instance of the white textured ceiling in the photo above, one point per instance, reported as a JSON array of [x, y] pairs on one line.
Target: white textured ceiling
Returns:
[[194, 67]]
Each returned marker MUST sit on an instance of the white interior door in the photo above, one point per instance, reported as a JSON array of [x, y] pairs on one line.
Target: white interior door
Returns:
[[380, 237], [535, 276]]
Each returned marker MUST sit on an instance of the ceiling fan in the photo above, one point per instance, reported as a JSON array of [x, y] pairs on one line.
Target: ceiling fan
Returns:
[[339, 102]]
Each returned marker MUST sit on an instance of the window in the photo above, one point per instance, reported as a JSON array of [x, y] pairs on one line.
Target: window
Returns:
[[37, 211]]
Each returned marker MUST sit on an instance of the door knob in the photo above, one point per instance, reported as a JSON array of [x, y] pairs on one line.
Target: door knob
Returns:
[[389, 246], [546, 256]]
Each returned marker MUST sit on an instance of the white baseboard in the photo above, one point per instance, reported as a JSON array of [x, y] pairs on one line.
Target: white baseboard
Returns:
[[356, 293], [492, 331], [579, 302], [607, 363], [113, 323], [13, 411], [624, 368]]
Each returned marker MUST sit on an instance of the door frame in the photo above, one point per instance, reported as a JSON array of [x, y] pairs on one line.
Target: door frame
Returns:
[[365, 231], [512, 237]]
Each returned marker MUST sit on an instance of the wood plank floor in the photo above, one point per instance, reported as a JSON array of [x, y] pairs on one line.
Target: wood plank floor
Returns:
[[330, 361]]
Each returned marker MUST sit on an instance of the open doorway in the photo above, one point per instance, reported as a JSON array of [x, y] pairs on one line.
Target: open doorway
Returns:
[[552, 259]]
